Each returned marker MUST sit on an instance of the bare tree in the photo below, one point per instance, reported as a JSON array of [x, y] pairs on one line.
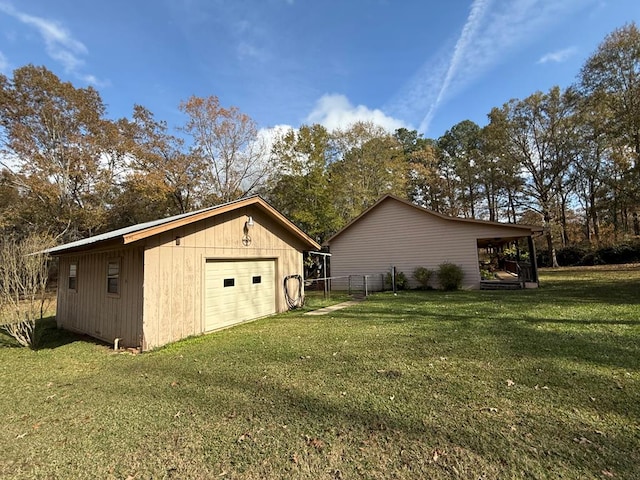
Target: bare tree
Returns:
[[228, 141], [23, 281]]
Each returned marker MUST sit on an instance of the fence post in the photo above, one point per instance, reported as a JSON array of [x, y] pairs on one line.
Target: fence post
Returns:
[[366, 287], [393, 279]]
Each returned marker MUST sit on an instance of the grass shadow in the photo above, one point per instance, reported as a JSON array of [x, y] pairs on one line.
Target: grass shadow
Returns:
[[47, 336]]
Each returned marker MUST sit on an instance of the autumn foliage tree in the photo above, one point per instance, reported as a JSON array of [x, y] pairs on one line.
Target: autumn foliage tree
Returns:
[[228, 143], [55, 136]]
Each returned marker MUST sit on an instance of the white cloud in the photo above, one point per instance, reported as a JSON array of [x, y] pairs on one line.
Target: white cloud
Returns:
[[334, 111], [60, 44], [492, 30], [269, 136], [558, 56]]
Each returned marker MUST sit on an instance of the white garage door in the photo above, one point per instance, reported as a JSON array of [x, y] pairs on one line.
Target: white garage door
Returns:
[[236, 291]]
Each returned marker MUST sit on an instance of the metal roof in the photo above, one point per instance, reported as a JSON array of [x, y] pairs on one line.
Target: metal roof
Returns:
[[128, 233]]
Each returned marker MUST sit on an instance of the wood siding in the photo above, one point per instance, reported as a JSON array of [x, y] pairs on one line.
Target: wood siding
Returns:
[[90, 309], [396, 234], [174, 275]]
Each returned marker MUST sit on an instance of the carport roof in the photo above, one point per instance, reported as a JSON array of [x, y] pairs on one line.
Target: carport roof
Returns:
[[143, 230]]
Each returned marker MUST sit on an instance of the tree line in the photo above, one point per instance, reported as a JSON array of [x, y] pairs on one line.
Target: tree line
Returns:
[[568, 159]]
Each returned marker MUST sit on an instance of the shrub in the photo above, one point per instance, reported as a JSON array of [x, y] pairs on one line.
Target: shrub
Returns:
[[450, 276], [422, 275], [401, 281], [623, 253], [571, 255]]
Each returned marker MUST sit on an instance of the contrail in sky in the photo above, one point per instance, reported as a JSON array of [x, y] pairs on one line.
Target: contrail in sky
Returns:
[[478, 10], [493, 30]]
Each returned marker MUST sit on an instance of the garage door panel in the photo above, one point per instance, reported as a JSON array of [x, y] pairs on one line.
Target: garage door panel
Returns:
[[251, 295]]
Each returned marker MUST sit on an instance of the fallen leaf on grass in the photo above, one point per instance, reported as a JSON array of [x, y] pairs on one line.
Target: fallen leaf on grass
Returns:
[[22, 435], [510, 383], [437, 454], [490, 409], [582, 441], [174, 384], [316, 443], [607, 473]]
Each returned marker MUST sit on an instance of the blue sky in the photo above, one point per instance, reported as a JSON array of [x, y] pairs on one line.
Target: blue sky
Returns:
[[424, 65]]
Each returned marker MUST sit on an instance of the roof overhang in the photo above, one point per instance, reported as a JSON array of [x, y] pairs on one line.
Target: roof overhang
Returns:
[[141, 231]]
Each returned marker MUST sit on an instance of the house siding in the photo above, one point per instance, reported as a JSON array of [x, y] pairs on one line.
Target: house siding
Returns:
[[174, 275], [90, 309], [396, 234]]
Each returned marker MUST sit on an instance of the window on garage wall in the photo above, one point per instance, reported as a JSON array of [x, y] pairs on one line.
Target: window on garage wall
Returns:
[[73, 276], [113, 277]]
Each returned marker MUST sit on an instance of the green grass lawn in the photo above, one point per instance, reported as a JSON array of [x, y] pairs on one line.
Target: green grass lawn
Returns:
[[474, 384]]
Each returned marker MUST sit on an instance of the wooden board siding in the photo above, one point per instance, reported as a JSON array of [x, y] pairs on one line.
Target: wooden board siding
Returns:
[[174, 275], [397, 234], [90, 309]]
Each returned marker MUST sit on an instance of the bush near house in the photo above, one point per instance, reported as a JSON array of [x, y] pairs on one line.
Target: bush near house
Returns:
[[450, 276], [402, 282], [422, 275]]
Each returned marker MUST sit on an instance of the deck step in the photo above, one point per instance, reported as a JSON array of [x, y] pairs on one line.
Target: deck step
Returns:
[[500, 285]]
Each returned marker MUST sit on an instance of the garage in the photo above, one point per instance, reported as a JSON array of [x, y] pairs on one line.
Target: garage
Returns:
[[238, 290], [156, 282]]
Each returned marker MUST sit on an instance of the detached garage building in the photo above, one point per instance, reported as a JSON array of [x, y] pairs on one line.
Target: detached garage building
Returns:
[[157, 282]]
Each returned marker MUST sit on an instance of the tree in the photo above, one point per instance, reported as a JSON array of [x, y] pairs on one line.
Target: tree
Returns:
[[424, 183], [55, 134], [541, 139], [162, 178], [610, 79], [300, 187], [460, 147], [227, 140], [498, 171], [590, 168], [370, 163], [23, 280], [613, 72]]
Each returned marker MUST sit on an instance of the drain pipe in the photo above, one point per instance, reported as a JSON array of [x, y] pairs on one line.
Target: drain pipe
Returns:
[[115, 343]]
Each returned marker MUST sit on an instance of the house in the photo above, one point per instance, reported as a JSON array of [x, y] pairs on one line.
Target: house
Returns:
[[157, 282], [396, 233]]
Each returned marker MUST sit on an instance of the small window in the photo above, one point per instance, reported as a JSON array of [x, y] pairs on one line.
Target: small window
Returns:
[[113, 278], [229, 282], [73, 276], [257, 279]]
